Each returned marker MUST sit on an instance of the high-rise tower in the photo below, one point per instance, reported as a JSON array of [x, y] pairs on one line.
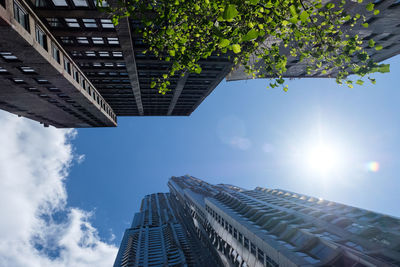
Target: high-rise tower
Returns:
[[273, 227], [162, 234]]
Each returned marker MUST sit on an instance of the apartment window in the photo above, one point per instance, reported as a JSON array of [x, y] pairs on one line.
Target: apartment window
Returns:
[[3, 71], [260, 255], [90, 23], [72, 23], [8, 56], [60, 3], [112, 40], [240, 238], [27, 70], [41, 37], [21, 16], [97, 40], [235, 233], [54, 22], [253, 249], [55, 52], [106, 23], [67, 65], [80, 3], [246, 243], [76, 76]]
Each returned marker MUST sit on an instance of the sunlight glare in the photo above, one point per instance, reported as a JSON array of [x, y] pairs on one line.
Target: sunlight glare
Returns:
[[322, 158]]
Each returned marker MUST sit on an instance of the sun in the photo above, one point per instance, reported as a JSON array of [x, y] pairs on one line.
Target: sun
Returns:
[[322, 158]]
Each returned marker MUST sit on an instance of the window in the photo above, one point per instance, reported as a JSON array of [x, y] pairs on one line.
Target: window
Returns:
[[67, 65], [18, 80], [97, 40], [104, 54], [3, 70], [106, 23], [240, 238], [41, 81], [260, 255], [82, 40], [80, 3], [90, 23], [235, 233], [21, 16], [60, 3], [253, 249], [41, 37], [54, 22], [246, 243], [27, 70], [76, 76], [112, 40], [8, 56], [55, 52], [117, 54], [67, 40], [72, 23]]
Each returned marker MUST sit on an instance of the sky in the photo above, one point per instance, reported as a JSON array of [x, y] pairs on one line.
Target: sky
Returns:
[[68, 195]]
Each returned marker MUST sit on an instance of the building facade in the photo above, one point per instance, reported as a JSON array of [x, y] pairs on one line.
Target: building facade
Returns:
[[273, 227], [64, 63], [162, 235]]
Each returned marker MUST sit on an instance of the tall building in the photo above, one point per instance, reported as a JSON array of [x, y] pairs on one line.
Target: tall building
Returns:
[[273, 227], [63, 63], [162, 234]]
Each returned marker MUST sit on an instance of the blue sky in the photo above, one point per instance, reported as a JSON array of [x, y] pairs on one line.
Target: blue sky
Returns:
[[247, 135]]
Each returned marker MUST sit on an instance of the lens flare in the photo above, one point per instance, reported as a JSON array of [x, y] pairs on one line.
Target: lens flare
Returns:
[[373, 166]]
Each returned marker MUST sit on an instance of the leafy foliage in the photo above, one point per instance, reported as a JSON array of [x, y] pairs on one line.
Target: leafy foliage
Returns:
[[259, 34]]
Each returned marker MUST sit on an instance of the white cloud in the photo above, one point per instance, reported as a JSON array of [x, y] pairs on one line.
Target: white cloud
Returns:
[[37, 228], [240, 142], [232, 131], [80, 158]]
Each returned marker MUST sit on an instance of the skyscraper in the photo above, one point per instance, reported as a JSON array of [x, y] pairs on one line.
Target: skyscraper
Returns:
[[162, 234], [273, 227]]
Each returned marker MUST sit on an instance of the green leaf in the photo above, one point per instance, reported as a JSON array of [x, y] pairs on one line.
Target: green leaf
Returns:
[[236, 48], [294, 20], [365, 25], [172, 53], [284, 23], [285, 88], [360, 82], [370, 6], [170, 31], [230, 12], [376, 12], [152, 84], [293, 11], [378, 47], [371, 43], [304, 16], [254, 2], [224, 42], [250, 35], [330, 5], [383, 68]]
